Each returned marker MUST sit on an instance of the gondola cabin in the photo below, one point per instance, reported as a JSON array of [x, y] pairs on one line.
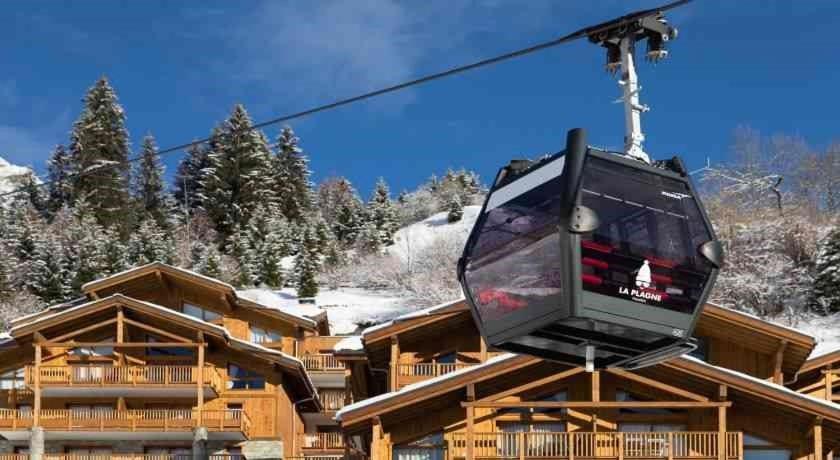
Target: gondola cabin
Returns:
[[589, 257]]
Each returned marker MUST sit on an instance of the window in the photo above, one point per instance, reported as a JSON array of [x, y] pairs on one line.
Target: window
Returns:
[[235, 453], [756, 448], [168, 351], [94, 351], [558, 397], [169, 453], [243, 379], [25, 410], [431, 447], [447, 358], [200, 313], [84, 453], [12, 379], [261, 335], [627, 397]]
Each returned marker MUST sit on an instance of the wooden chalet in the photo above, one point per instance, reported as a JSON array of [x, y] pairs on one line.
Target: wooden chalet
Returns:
[[157, 363], [428, 388]]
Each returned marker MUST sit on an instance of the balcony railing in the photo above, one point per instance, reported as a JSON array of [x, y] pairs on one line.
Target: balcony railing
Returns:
[[118, 456], [321, 362], [125, 376], [128, 420], [416, 372], [323, 441], [14, 456], [332, 400], [671, 445]]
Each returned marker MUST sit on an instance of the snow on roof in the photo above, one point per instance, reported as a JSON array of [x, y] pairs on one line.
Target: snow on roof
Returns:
[[412, 315], [416, 386], [763, 382], [763, 320], [162, 265], [348, 307], [420, 235], [349, 343], [825, 330]]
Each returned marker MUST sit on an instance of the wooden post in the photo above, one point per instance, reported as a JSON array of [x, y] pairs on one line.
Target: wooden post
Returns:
[[818, 441], [482, 349], [395, 363], [778, 376], [722, 395], [376, 452], [670, 445], [120, 334], [520, 444], [595, 378], [36, 416], [828, 377], [620, 446], [471, 423], [200, 379]]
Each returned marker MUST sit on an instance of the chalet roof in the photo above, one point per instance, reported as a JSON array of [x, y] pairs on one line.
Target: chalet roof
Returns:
[[822, 360], [246, 299], [290, 363], [507, 363], [413, 318]]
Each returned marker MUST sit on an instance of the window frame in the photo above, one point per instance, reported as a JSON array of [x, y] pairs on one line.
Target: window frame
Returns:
[[231, 382]]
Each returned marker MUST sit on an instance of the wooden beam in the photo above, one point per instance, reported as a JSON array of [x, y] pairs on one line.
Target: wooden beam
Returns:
[[470, 423], [39, 338], [828, 378], [818, 439], [535, 384], [721, 413], [36, 407], [157, 331], [595, 378], [778, 376], [93, 295], [395, 363], [482, 346], [658, 385], [73, 344], [200, 380], [121, 332], [599, 404]]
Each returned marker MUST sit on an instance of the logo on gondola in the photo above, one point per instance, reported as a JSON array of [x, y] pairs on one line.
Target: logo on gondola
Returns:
[[675, 195], [642, 292]]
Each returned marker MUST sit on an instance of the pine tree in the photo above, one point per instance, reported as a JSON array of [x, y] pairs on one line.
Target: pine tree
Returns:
[[148, 183], [307, 264], [454, 209], [150, 243], [238, 178], [241, 250], [48, 276], [269, 240], [382, 213], [59, 191], [188, 179], [369, 240], [206, 259], [99, 156], [826, 289], [342, 209], [8, 265], [290, 169], [82, 240], [35, 194]]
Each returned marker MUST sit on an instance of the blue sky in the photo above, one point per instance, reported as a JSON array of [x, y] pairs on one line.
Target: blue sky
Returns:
[[179, 67]]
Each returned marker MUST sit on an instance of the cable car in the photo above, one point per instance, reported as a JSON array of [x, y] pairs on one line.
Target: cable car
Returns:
[[590, 257]]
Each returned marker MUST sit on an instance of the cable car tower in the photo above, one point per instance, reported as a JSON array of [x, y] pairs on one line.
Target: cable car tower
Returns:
[[595, 258]]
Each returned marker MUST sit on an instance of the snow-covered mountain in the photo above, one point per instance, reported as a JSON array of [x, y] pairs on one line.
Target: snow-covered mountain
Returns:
[[12, 176]]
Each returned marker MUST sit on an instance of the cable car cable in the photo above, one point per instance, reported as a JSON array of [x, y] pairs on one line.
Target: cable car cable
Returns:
[[585, 32]]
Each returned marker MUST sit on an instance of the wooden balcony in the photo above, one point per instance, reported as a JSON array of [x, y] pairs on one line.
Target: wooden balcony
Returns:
[[125, 380], [608, 445], [332, 400], [323, 441], [14, 456], [130, 421], [323, 362], [417, 372]]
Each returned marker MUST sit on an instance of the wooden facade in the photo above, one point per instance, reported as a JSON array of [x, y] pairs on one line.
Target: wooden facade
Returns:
[[159, 362], [438, 393]]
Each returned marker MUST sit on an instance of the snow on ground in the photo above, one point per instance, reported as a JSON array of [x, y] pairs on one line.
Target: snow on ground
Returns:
[[825, 329], [12, 176], [416, 237]]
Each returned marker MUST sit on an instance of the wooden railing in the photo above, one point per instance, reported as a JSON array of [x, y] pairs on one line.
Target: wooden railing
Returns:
[[125, 375], [321, 362], [128, 420], [416, 372], [332, 400], [671, 445], [14, 456], [323, 441], [118, 456]]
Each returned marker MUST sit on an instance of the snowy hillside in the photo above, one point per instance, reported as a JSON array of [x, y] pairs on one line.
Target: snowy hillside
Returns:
[[416, 237], [825, 329], [12, 176]]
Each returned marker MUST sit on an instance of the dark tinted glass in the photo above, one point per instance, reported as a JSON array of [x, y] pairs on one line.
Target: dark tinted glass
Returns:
[[514, 263], [645, 248]]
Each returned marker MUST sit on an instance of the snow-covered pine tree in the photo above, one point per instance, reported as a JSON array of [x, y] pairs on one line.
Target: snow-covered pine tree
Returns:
[[238, 178], [205, 259], [147, 184], [270, 240], [83, 243], [826, 290], [48, 276], [369, 240], [454, 209], [150, 243], [382, 213], [342, 208], [8, 266], [99, 156], [290, 168], [35, 194], [307, 264], [59, 190], [243, 253], [188, 178]]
